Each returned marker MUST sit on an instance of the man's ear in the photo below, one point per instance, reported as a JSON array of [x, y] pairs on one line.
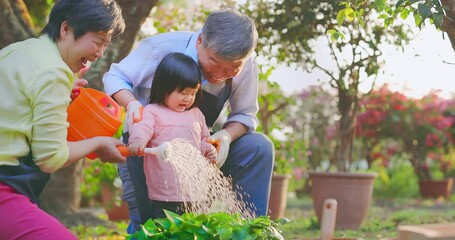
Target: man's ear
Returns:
[[199, 41]]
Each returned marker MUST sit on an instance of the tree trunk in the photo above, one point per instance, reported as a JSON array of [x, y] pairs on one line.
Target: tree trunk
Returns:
[[448, 22], [62, 193], [134, 12], [347, 107], [15, 22]]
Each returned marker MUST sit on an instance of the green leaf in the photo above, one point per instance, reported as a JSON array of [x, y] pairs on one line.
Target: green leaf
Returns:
[[294, 23], [163, 223], [350, 14], [424, 11], [418, 20], [380, 5], [224, 233], [404, 14], [398, 4], [437, 17], [361, 21], [331, 31], [340, 17], [383, 16], [241, 234]]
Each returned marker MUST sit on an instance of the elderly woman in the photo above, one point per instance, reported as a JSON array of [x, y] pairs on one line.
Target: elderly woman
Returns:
[[37, 76]]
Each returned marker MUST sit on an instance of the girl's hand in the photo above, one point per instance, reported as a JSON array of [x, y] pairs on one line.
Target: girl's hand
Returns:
[[210, 153], [136, 148]]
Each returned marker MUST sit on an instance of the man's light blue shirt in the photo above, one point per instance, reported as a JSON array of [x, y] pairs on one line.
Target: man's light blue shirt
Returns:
[[136, 71]]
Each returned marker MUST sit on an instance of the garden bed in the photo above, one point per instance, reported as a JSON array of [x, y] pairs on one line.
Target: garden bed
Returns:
[[382, 221]]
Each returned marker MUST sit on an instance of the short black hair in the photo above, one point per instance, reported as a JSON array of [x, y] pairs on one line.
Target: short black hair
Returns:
[[85, 16], [175, 71]]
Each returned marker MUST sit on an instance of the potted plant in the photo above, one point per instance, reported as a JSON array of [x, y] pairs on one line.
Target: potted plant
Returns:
[[101, 179], [209, 226], [272, 111], [351, 58], [289, 154]]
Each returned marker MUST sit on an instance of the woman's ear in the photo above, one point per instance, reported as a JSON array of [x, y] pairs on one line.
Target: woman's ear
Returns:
[[65, 30]]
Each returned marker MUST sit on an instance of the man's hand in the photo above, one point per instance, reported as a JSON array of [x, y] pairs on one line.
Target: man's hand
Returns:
[[224, 139], [133, 113], [78, 83]]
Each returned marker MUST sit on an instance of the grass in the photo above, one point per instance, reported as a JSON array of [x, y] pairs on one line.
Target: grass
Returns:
[[383, 218]]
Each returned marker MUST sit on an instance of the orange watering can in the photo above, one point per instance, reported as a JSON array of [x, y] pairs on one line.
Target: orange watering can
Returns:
[[93, 113]]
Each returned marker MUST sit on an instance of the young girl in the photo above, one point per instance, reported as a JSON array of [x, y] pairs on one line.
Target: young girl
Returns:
[[170, 114]]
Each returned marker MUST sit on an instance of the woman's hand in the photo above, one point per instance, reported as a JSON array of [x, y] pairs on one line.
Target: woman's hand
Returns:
[[78, 83], [107, 150]]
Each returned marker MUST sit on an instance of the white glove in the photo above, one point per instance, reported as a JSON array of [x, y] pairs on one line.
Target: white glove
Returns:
[[133, 113], [222, 137]]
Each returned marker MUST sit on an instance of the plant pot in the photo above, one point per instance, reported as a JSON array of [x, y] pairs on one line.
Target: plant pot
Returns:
[[278, 196], [353, 192], [114, 212], [436, 188]]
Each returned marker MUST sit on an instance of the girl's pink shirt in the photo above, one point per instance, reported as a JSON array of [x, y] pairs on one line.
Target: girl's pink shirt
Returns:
[[160, 124]]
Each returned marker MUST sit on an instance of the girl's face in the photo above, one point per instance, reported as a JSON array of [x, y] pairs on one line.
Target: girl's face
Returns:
[[88, 47], [180, 101]]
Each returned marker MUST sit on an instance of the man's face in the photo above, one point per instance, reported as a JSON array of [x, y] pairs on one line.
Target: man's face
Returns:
[[214, 68]]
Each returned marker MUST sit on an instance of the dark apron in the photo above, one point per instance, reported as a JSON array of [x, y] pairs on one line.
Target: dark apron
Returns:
[[26, 178], [211, 107]]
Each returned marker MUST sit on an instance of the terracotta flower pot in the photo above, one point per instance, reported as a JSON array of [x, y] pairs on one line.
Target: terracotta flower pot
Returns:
[[278, 196], [114, 212], [435, 188], [353, 192]]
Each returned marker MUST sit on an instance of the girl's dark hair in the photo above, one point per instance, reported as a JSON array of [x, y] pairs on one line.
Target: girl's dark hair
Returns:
[[175, 71], [85, 16]]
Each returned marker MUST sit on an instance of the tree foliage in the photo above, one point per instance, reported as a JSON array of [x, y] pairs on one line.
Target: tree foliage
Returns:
[[440, 13], [291, 32]]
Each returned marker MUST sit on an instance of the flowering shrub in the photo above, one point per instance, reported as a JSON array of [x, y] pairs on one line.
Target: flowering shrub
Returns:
[[313, 120], [289, 154], [291, 159], [422, 125]]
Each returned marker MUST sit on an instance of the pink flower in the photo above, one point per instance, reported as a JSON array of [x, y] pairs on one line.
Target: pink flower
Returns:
[[298, 173]]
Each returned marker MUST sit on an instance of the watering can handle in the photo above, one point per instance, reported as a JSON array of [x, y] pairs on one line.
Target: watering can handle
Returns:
[[215, 143], [123, 150]]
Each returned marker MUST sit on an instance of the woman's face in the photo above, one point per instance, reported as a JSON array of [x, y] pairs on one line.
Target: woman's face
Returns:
[[214, 68], [180, 101], [88, 47]]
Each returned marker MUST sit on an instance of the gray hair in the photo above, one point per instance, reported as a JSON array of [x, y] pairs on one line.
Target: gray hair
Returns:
[[230, 34]]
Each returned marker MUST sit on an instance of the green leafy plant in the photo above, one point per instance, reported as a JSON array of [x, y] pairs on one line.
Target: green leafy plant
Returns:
[[96, 174], [282, 164], [209, 226]]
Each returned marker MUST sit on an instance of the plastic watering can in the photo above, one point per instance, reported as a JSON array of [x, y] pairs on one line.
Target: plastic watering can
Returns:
[[92, 114]]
